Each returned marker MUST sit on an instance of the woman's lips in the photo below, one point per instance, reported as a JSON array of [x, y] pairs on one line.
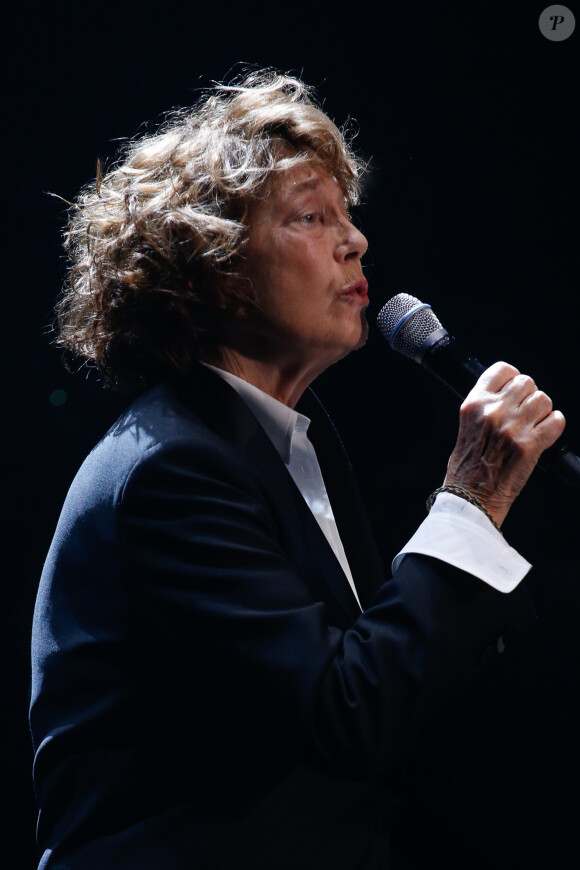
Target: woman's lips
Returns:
[[359, 291]]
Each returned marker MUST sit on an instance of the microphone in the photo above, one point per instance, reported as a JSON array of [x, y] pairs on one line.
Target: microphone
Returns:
[[411, 328]]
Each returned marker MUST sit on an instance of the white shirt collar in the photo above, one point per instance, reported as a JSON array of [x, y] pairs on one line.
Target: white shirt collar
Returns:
[[278, 420]]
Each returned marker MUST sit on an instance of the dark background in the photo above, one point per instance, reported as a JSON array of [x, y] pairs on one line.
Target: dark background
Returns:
[[470, 119]]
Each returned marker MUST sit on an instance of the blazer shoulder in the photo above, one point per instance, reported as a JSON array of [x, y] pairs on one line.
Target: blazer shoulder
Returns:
[[186, 424]]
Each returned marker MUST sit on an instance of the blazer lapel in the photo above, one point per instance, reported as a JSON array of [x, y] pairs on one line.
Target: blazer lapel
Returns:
[[219, 405], [346, 500]]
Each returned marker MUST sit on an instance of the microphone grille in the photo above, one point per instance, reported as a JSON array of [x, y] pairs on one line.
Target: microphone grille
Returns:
[[406, 322]]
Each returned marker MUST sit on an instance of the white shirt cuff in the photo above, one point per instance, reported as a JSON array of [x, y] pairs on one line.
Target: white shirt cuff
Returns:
[[458, 533]]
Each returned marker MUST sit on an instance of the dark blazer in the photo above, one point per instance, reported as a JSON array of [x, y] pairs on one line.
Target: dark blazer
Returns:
[[206, 692]]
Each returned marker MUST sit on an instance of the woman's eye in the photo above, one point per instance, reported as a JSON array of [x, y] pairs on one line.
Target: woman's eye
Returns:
[[309, 218]]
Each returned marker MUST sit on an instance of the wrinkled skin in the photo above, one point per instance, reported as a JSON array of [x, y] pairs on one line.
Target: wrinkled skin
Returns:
[[505, 423]]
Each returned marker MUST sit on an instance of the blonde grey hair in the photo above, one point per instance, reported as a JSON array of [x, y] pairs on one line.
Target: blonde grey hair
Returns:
[[151, 241]]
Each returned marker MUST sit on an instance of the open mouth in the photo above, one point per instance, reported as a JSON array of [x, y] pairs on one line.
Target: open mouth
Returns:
[[358, 291]]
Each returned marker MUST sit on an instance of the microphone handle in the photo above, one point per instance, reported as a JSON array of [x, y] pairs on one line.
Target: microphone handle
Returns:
[[459, 370], [450, 362]]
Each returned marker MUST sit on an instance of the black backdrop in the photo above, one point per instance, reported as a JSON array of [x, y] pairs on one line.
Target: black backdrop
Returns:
[[470, 117]]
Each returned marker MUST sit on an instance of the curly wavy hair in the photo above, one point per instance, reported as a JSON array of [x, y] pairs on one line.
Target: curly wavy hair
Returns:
[[151, 242]]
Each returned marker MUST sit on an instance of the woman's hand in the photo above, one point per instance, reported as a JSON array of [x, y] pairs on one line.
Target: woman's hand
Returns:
[[505, 423]]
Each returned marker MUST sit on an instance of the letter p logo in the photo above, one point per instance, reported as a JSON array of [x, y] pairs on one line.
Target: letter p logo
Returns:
[[557, 23]]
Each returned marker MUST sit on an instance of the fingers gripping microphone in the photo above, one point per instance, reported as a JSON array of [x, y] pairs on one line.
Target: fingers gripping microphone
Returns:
[[411, 328]]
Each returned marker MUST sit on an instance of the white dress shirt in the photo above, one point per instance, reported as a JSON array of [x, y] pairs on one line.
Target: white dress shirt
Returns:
[[454, 531], [287, 430]]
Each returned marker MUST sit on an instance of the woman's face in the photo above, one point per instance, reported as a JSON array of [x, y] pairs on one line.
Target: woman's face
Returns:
[[303, 257]]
